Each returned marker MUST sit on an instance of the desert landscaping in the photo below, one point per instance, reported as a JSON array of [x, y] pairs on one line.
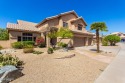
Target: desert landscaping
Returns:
[[61, 66]]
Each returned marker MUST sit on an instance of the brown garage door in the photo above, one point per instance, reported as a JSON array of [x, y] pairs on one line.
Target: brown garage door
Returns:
[[78, 41]]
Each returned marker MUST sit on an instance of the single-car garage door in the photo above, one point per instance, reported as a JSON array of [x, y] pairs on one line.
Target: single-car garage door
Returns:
[[78, 41]]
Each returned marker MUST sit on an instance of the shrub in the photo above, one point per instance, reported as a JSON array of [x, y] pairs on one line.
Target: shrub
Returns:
[[28, 43], [9, 60], [4, 34], [39, 40], [1, 47], [28, 49], [63, 45], [20, 45], [112, 39], [37, 52], [104, 42], [50, 50], [17, 45], [42, 45]]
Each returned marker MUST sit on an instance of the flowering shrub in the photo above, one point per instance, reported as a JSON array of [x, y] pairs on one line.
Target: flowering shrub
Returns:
[[40, 41]]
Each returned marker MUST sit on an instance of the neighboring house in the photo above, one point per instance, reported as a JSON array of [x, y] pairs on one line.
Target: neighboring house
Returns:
[[25, 31], [121, 35]]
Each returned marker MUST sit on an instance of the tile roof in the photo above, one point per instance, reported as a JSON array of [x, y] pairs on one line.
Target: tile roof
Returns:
[[85, 32], [56, 16], [23, 25], [79, 18]]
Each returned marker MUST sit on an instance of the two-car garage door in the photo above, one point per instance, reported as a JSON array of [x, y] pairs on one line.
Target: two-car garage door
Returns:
[[78, 41]]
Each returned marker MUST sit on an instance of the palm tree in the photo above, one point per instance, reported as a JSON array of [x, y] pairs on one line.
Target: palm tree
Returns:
[[98, 26]]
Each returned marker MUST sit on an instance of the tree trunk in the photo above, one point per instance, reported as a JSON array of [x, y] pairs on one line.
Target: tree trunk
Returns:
[[97, 40]]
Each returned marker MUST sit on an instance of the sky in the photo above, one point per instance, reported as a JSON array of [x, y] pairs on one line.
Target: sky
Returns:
[[112, 12]]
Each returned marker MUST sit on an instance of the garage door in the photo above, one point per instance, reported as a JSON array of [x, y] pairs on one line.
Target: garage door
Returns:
[[78, 41]]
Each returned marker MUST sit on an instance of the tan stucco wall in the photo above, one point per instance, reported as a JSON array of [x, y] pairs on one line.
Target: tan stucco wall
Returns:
[[66, 40], [43, 26], [54, 22], [58, 22], [5, 44], [14, 34], [67, 18], [75, 25]]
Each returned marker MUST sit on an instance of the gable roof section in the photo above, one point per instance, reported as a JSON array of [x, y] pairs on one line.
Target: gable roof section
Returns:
[[79, 18], [23, 25], [56, 16]]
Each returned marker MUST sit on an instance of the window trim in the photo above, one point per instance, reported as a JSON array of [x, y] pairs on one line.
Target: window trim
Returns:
[[80, 26], [66, 24], [27, 37]]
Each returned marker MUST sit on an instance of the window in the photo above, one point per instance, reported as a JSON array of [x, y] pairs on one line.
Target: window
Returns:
[[65, 24], [80, 27], [27, 37], [19, 38]]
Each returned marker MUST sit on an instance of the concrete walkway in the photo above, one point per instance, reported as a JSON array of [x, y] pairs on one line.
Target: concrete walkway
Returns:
[[115, 72]]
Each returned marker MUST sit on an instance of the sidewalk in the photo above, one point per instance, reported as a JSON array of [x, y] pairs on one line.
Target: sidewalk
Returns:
[[115, 72]]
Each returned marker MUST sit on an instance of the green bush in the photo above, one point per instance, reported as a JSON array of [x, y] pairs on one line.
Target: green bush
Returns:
[[28, 46], [42, 45], [20, 45], [50, 50], [9, 60], [28, 49], [63, 45], [28, 43], [4, 34], [60, 44], [1, 47], [104, 42], [112, 39], [17, 45], [37, 52]]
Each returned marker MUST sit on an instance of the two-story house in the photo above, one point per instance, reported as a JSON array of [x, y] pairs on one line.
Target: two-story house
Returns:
[[28, 31]]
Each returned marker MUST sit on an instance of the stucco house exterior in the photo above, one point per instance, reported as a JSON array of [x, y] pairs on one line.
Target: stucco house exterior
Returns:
[[25, 31]]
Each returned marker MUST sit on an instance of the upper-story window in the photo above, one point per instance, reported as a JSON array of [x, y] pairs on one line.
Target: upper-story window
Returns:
[[65, 24], [80, 27]]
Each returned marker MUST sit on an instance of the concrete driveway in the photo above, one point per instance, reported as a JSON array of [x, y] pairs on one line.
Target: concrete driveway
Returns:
[[107, 55]]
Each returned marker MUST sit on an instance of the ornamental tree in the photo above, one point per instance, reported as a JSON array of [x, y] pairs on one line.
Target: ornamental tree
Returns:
[[98, 26], [65, 33], [113, 39]]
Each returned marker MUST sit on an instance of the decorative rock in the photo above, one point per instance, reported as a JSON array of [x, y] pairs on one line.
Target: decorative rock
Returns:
[[9, 73], [7, 51]]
